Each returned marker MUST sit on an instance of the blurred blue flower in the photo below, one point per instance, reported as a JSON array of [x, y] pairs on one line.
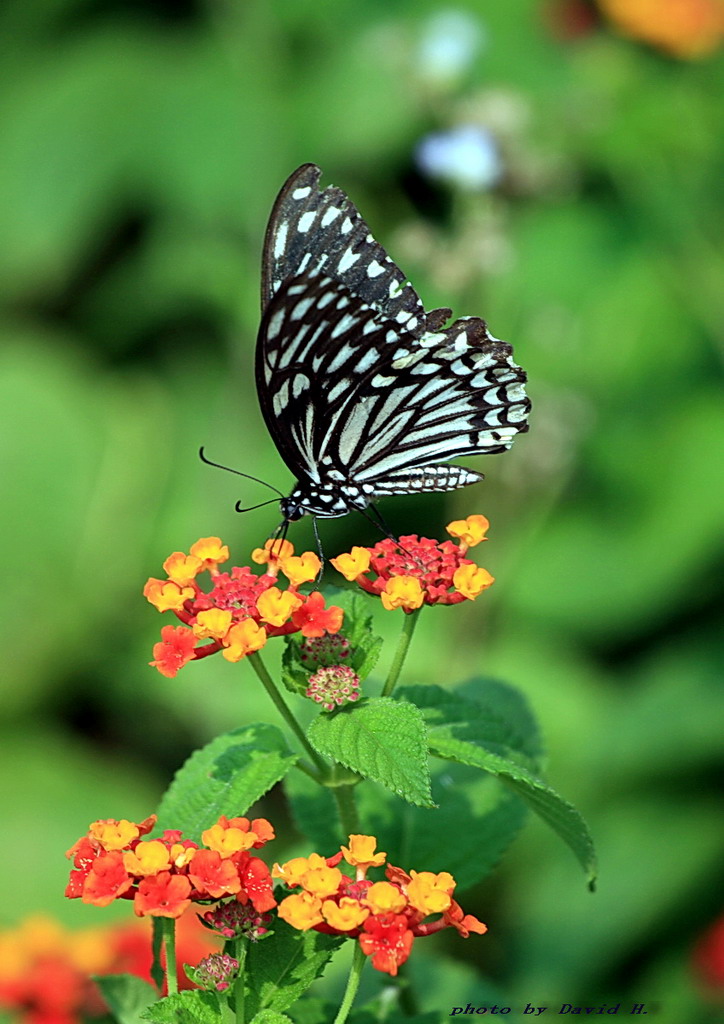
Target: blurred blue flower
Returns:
[[465, 157], [451, 40]]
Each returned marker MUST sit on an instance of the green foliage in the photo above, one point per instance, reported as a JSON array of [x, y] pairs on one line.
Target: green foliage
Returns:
[[127, 996], [185, 1008], [382, 740], [284, 966], [226, 777], [467, 733]]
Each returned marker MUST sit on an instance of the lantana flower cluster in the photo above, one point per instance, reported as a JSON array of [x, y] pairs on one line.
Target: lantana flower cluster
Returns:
[[416, 570], [165, 876], [46, 969], [384, 916], [242, 609]]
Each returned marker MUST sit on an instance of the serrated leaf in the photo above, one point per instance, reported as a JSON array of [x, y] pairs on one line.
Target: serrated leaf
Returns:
[[487, 722], [381, 739], [285, 965], [226, 776], [185, 1008], [126, 995], [509, 704], [460, 731]]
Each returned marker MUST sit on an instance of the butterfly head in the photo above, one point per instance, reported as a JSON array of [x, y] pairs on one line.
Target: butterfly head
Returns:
[[326, 500]]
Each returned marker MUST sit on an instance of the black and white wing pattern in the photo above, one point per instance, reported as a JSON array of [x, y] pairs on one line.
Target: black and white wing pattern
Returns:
[[364, 393]]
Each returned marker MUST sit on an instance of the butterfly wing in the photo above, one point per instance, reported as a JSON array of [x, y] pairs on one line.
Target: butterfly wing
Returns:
[[348, 394], [320, 232]]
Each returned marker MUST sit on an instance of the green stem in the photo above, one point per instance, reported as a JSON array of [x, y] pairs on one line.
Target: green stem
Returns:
[[358, 962], [169, 942], [270, 686], [403, 644], [347, 809], [242, 947]]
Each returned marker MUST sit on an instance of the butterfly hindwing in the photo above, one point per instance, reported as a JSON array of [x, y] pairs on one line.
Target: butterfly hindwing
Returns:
[[348, 391]]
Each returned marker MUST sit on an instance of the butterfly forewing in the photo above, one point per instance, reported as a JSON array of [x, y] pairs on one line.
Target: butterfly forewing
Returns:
[[363, 392], [321, 232]]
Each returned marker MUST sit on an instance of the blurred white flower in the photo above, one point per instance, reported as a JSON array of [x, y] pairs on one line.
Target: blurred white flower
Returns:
[[451, 40], [465, 157]]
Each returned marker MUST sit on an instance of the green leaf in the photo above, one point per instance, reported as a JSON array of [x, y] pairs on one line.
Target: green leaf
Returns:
[[271, 1017], [226, 776], [285, 965], [497, 714], [482, 817], [381, 739], [460, 731], [126, 995], [185, 1008]]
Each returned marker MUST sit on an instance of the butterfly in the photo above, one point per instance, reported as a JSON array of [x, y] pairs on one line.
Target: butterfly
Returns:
[[364, 393]]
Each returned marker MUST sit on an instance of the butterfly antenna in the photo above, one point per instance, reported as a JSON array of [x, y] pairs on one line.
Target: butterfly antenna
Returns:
[[247, 476]]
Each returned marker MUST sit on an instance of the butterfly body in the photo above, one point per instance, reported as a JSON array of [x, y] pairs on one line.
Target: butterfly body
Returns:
[[364, 392]]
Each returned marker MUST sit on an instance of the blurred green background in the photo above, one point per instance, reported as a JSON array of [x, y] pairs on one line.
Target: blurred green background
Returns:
[[525, 162]]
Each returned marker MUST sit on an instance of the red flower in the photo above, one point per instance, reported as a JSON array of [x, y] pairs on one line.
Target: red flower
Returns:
[[388, 940]]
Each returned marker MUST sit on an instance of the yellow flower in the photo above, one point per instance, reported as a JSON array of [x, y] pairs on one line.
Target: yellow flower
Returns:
[[470, 531], [361, 852], [430, 893], [167, 596], [346, 915], [402, 592], [301, 568], [385, 898], [242, 639], [471, 580], [213, 623], [275, 605], [210, 550], [148, 858], [274, 551], [302, 911], [181, 568], [353, 564], [227, 841]]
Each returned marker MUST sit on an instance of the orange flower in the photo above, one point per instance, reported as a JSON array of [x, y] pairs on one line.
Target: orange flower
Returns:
[[313, 619], [470, 531], [212, 874], [106, 880], [384, 916], [361, 853], [175, 650], [162, 895], [684, 28], [472, 580]]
